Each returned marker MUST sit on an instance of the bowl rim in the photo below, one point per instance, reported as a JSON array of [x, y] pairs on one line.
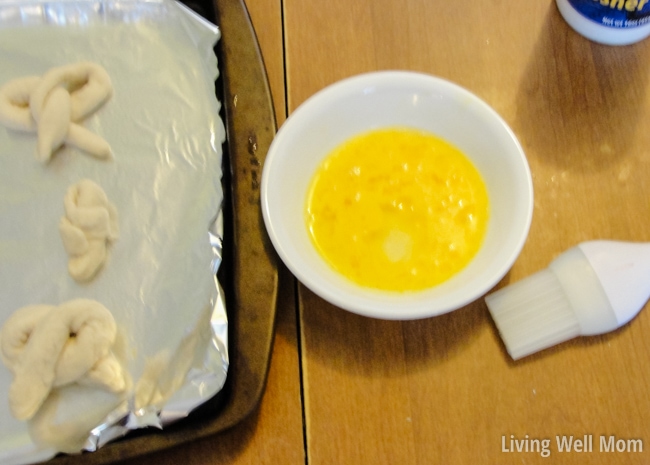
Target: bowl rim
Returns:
[[354, 84]]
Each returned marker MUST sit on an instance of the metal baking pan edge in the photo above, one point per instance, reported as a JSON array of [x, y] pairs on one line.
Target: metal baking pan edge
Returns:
[[249, 271]]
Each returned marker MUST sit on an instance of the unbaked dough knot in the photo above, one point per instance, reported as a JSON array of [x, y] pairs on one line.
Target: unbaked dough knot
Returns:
[[46, 347], [54, 104], [90, 224]]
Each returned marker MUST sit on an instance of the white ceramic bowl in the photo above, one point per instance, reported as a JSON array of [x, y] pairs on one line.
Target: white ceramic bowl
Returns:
[[396, 98]]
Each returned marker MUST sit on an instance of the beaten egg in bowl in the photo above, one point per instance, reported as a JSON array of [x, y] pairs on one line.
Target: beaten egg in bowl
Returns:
[[397, 209], [379, 260]]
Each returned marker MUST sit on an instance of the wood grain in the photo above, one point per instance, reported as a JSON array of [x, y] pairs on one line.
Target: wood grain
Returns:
[[443, 390]]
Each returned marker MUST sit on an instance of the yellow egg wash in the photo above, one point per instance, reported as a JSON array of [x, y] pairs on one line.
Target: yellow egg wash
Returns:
[[397, 209]]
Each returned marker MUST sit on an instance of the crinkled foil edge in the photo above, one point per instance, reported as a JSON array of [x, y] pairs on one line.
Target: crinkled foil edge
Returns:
[[79, 12], [202, 383]]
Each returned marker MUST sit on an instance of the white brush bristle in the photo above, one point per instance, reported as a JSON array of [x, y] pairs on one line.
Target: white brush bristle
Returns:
[[533, 314]]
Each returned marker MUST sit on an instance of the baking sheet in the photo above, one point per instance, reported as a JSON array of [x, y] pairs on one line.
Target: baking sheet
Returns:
[[249, 269], [165, 181]]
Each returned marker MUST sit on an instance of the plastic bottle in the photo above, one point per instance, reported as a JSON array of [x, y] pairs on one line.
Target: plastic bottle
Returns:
[[611, 22]]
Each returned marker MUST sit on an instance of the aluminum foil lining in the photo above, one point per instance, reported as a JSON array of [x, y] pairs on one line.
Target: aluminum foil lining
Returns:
[[164, 128]]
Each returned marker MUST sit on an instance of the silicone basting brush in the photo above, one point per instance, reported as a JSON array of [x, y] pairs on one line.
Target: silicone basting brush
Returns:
[[592, 288]]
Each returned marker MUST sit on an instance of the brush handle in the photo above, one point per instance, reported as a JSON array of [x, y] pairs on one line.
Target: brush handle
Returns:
[[623, 269]]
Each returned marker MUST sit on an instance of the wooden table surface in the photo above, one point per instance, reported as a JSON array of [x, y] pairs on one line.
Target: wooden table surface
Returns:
[[345, 389]]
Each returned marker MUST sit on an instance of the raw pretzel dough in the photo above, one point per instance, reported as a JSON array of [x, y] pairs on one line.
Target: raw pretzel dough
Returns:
[[166, 371], [47, 347], [53, 104], [60, 424], [14, 104], [88, 227]]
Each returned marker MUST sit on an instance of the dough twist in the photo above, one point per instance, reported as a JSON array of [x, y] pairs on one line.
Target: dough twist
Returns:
[[47, 347], [89, 225], [52, 106], [14, 104]]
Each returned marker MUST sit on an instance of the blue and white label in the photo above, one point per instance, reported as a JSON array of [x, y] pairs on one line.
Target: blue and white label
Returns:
[[615, 13]]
